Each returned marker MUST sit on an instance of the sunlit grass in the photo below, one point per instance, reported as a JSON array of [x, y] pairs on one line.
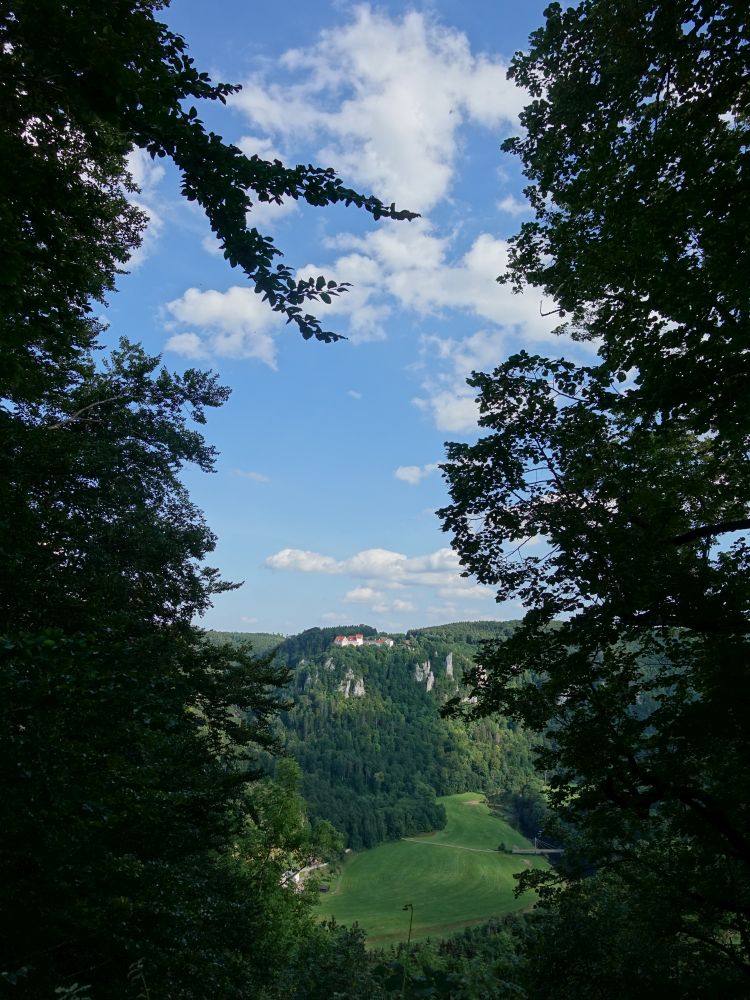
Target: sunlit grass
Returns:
[[453, 877]]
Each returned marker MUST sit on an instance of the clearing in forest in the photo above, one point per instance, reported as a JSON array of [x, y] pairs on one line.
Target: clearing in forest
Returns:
[[453, 877]]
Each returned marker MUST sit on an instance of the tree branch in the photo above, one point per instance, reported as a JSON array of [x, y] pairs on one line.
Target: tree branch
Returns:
[[706, 530], [75, 416]]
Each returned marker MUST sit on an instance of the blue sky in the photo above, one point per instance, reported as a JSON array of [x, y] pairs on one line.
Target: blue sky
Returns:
[[327, 481]]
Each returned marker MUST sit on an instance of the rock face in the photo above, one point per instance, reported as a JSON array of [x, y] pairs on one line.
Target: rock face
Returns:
[[328, 665], [449, 665], [351, 685], [423, 672]]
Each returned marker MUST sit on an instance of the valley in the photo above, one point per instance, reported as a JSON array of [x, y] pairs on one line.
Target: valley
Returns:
[[454, 877], [406, 788]]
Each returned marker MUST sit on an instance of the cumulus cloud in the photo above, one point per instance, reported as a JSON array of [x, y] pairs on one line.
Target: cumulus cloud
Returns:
[[235, 324], [146, 174], [442, 611], [467, 592], [149, 237], [415, 267], [399, 605], [513, 206], [452, 409], [411, 268], [189, 345], [211, 245], [380, 567], [384, 100], [379, 605], [262, 146], [362, 305], [414, 474], [303, 561], [362, 595]]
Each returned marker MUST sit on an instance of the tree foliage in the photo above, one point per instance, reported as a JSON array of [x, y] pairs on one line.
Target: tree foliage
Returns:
[[142, 853], [636, 152], [81, 83], [614, 495], [373, 764], [127, 766]]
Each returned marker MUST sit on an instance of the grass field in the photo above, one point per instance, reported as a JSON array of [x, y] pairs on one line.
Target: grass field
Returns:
[[453, 877]]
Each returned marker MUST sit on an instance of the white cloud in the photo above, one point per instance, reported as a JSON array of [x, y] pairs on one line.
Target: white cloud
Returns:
[[235, 324], [442, 611], [377, 566], [354, 394], [265, 214], [149, 237], [189, 345], [146, 174], [399, 605], [378, 603], [409, 267], [513, 206], [211, 245], [256, 477], [303, 561], [471, 591], [451, 410], [248, 620], [362, 305], [384, 99], [413, 474], [262, 146], [362, 595]]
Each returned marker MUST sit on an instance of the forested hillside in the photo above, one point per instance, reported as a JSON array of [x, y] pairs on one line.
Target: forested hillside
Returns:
[[365, 728], [149, 832], [261, 643]]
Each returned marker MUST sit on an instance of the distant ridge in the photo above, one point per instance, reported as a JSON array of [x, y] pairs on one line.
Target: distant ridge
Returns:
[[366, 729]]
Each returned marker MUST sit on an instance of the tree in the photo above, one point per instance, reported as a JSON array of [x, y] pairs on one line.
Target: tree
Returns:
[[126, 764], [81, 83], [636, 150], [136, 836], [612, 495]]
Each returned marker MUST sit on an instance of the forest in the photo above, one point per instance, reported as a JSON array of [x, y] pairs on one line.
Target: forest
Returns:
[[149, 812], [390, 749]]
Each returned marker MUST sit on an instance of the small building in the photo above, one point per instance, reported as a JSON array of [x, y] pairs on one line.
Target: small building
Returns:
[[349, 640]]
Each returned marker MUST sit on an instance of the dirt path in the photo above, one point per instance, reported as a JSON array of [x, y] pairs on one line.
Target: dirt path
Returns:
[[456, 847]]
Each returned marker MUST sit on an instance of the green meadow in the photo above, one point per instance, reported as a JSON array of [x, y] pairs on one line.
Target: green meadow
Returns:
[[453, 878]]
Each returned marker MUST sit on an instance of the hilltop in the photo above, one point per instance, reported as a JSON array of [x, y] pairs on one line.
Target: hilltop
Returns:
[[365, 727]]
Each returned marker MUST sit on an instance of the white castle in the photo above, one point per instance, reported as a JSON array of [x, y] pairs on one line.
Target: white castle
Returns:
[[359, 640]]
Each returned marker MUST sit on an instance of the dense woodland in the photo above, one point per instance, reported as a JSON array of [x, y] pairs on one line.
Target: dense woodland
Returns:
[[373, 765], [144, 838]]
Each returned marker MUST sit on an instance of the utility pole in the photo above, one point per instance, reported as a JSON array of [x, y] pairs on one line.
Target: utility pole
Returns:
[[410, 907]]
